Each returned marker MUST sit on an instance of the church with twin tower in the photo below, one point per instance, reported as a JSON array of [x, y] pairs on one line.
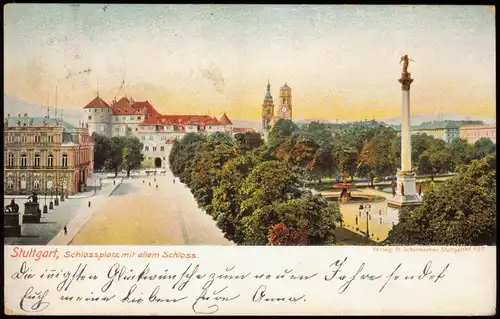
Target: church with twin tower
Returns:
[[284, 111]]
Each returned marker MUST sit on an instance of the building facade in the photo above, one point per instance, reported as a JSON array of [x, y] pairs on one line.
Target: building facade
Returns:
[[447, 131], [473, 133], [46, 156], [127, 117]]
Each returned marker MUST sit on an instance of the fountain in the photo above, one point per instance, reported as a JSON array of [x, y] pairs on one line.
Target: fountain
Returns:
[[345, 195]]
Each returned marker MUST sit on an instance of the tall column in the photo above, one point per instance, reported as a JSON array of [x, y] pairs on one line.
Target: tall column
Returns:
[[405, 192], [406, 81]]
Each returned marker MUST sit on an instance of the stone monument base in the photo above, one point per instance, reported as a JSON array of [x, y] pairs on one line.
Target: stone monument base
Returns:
[[32, 213], [11, 227], [410, 198]]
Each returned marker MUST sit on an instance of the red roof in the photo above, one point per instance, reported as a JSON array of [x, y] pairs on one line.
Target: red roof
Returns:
[[225, 120], [97, 103]]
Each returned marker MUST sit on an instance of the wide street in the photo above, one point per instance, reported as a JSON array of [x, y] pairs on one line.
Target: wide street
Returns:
[[138, 213]]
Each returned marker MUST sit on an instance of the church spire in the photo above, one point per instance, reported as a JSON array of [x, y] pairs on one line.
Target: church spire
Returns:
[[268, 91]]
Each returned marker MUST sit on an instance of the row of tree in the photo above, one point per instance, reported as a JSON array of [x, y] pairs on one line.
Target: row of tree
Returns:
[[117, 153], [367, 151], [255, 198]]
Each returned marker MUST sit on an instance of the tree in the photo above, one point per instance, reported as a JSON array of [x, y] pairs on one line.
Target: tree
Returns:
[[132, 153], [206, 166], [375, 158], [419, 144], [281, 130], [115, 158], [308, 214], [102, 148], [461, 211], [280, 235], [226, 201], [483, 147], [346, 158], [267, 183], [461, 152], [183, 153], [147, 163], [248, 140]]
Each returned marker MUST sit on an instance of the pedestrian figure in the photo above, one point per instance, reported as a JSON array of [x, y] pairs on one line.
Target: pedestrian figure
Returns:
[[402, 189], [89, 204], [174, 181], [393, 185], [149, 183], [380, 212], [419, 189], [65, 230], [114, 182], [156, 186], [381, 220], [143, 181], [356, 220], [155, 179]]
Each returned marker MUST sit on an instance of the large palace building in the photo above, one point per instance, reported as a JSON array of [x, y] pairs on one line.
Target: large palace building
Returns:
[[46, 156], [127, 117]]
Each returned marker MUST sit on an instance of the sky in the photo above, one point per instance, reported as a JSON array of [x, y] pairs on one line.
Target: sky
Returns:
[[341, 61]]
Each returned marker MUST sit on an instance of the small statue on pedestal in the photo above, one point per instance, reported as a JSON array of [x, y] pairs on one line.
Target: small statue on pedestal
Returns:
[[33, 198]]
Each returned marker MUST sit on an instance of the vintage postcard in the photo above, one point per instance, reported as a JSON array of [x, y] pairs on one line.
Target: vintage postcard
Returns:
[[249, 159]]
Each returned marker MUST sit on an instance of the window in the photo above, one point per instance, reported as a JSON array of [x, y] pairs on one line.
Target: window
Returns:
[[162, 148], [102, 118], [24, 160], [131, 118], [37, 160], [102, 110], [154, 148], [90, 117], [36, 184], [146, 148], [95, 110], [50, 138], [10, 160], [143, 138], [138, 117], [10, 139], [10, 184], [102, 128], [50, 160], [23, 138], [65, 160], [136, 129]]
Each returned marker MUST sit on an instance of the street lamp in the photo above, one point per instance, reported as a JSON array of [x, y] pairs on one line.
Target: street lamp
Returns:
[[367, 211], [45, 208], [56, 200]]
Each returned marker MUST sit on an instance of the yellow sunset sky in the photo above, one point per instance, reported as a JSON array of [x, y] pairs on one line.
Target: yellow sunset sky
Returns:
[[342, 62]]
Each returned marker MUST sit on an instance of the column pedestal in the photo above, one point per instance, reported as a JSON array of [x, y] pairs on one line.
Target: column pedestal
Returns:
[[11, 227], [32, 213], [410, 198]]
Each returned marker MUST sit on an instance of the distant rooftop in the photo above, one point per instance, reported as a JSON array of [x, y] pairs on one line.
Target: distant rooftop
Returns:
[[436, 126], [38, 121]]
